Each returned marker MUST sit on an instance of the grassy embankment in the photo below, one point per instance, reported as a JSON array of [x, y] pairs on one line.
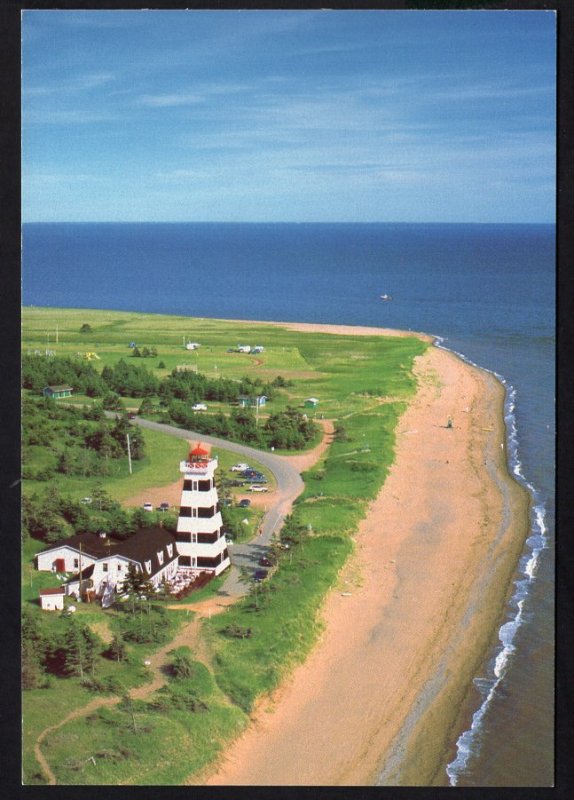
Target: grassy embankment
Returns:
[[363, 384]]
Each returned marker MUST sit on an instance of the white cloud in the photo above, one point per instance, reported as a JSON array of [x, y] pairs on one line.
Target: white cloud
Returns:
[[169, 100]]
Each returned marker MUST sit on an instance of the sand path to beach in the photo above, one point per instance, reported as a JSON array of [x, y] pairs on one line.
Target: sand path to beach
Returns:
[[382, 695]]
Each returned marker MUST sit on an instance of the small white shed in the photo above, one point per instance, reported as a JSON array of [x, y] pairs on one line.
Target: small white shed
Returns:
[[52, 599]]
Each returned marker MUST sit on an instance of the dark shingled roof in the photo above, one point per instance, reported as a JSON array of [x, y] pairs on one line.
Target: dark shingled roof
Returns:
[[143, 546]]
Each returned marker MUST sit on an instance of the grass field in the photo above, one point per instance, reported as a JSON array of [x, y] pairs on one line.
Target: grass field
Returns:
[[363, 384]]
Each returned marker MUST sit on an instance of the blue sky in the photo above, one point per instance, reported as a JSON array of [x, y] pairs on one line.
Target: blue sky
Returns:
[[358, 116]]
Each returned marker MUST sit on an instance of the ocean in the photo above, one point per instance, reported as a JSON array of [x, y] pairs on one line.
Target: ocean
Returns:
[[488, 292]]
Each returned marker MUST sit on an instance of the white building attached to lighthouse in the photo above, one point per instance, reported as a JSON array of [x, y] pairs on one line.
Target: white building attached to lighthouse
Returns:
[[200, 539]]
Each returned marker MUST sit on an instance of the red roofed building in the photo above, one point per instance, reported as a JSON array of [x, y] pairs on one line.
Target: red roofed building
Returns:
[[52, 599]]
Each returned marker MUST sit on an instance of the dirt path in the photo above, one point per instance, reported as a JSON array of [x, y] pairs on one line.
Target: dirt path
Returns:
[[188, 636]]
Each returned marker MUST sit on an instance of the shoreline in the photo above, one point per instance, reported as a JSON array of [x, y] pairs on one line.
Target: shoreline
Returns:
[[389, 731]]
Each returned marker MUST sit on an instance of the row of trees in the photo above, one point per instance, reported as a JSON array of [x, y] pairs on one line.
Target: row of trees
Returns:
[[52, 516], [193, 387], [133, 380], [287, 429]]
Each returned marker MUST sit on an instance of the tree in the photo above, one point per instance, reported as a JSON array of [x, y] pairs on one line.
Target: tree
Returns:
[[80, 646], [117, 649], [112, 402], [146, 406], [33, 650], [86, 328]]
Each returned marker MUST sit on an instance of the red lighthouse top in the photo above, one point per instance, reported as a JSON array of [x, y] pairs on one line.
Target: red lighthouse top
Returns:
[[198, 454]]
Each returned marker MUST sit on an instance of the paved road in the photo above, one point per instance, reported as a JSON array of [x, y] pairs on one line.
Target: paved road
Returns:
[[289, 486]]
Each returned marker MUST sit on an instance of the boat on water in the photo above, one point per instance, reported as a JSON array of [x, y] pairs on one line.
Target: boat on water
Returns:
[[386, 297]]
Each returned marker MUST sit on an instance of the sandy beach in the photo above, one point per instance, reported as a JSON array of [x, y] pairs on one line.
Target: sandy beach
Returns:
[[383, 695]]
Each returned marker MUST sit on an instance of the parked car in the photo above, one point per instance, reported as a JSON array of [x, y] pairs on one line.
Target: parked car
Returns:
[[131, 415], [259, 575], [265, 562], [284, 545], [163, 507], [86, 501], [147, 507], [229, 541], [240, 467], [258, 488], [199, 407], [245, 503]]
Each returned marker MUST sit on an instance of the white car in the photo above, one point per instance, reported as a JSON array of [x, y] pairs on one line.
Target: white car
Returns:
[[257, 488], [147, 507], [240, 467], [86, 501], [199, 407]]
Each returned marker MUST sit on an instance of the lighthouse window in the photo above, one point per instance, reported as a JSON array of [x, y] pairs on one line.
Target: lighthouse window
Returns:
[[206, 512], [185, 511], [204, 486]]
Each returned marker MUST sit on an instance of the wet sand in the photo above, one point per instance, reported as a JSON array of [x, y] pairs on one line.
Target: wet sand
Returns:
[[381, 698]]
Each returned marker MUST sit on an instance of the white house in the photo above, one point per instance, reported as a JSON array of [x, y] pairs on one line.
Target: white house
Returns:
[[52, 599], [101, 563]]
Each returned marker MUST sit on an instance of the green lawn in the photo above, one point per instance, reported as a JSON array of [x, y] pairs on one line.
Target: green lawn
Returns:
[[363, 384]]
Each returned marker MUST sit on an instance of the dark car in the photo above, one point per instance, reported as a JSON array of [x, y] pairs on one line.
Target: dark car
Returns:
[[265, 562], [259, 575], [163, 507], [245, 503], [252, 473], [131, 415]]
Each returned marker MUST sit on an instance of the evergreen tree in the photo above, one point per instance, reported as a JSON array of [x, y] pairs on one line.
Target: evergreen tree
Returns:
[[33, 650], [80, 647], [117, 649]]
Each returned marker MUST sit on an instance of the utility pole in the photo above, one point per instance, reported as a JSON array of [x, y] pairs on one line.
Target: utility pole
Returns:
[[56, 334], [129, 453]]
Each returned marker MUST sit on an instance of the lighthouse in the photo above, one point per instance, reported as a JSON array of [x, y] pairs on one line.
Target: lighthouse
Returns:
[[200, 540]]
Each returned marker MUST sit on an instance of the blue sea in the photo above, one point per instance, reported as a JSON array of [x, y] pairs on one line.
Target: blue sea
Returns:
[[488, 292]]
